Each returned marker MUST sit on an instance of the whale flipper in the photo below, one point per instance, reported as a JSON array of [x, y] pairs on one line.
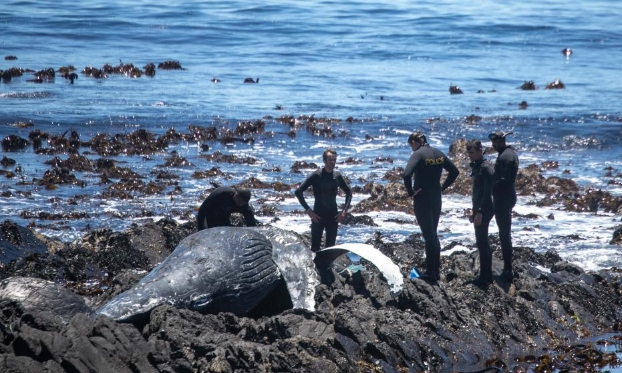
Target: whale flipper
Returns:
[[390, 270], [295, 260]]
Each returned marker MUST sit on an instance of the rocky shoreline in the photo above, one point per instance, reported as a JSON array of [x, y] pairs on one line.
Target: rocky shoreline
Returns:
[[541, 321], [554, 315]]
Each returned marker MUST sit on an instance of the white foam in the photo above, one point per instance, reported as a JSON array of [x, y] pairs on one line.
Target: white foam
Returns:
[[580, 238]]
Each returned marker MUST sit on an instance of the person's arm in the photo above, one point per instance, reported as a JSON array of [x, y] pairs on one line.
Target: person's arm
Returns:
[[453, 173], [201, 218], [341, 182], [487, 179], [408, 173], [249, 216], [301, 189], [301, 198]]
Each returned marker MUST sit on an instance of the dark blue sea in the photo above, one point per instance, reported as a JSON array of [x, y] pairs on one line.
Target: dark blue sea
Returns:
[[386, 65]]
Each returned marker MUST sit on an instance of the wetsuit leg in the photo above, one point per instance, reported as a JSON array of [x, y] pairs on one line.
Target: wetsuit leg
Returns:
[[436, 213], [483, 246], [331, 229], [427, 212], [317, 229], [503, 215]]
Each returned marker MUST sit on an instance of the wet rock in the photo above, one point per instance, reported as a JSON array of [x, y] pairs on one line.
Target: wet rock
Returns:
[[170, 65], [593, 201], [94, 72], [175, 160], [197, 133], [208, 174], [17, 242], [13, 143], [556, 84], [39, 344], [139, 142], [74, 162], [358, 325], [617, 236], [299, 166], [567, 267], [392, 197], [6, 162], [358, 219], [150, 69], [226, 158], [59, 176], [528, 86], [13, 72], [247, 128]]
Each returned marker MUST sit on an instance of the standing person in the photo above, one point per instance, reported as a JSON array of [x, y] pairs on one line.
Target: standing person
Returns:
[[482, 212], [504, 196], [216, 210], [426, 164], [325, 214]]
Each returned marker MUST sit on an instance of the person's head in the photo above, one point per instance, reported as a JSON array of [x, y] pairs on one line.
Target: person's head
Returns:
[[498, 140], [242, 196], [417, 140], [475, 150], [330, 159]]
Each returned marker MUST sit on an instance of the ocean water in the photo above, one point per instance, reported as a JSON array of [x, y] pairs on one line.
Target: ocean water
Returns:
[[388, 65]]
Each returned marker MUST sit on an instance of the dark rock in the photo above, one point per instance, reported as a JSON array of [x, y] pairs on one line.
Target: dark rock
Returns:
[[357, 326], [13, 143], [18, 242], [528, 86], [617, 236]]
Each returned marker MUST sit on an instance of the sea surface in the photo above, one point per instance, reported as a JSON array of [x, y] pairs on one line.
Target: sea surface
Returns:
[[386, 65]]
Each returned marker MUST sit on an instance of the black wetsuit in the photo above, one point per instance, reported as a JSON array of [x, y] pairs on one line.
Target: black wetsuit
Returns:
[[427, 164], [325, 186], [504, 199], [482, 173], [216, 210]]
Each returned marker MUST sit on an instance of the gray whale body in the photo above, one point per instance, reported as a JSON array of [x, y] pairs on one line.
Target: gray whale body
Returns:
[[38, 295], [216, 269], [247, 271]]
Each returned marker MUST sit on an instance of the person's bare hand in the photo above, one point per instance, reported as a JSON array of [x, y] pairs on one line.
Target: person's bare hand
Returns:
[[339, 217], [314, 217]]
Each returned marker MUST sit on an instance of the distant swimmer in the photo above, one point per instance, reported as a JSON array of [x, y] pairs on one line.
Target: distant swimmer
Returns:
[[215, 80], [455, 90], [567, 52], [250, 80], [72, 77]]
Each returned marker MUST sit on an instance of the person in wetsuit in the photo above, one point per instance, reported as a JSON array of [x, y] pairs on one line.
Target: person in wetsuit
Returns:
[[482, 173], [217, 208], [325, 214], [426, 164], [504, 196]]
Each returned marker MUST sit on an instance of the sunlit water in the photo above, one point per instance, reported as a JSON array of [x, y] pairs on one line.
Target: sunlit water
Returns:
[[386, 65]]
